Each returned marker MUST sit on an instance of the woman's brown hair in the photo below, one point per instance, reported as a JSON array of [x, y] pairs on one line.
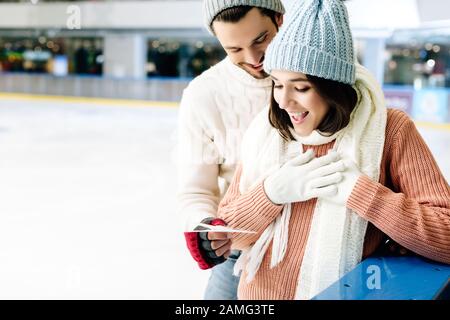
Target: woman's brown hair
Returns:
[[340, 97]]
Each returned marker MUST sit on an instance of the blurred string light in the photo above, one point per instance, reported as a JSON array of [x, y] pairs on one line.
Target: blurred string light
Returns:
[[392, 65], [151, 67], [100, 59], [28, 64], [197, 63], [155, 44], [428, 46], [436, 48], [431, 63]]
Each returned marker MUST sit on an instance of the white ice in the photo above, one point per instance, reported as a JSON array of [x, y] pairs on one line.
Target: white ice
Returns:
[[84, 191]]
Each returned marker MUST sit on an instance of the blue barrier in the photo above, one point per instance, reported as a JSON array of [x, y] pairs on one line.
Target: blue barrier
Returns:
[[392, 278]]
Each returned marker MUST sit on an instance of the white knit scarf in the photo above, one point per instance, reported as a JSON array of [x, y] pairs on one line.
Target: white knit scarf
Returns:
[[336, 238]]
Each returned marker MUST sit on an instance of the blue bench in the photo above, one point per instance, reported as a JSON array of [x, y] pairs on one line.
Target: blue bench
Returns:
[[392, 278]]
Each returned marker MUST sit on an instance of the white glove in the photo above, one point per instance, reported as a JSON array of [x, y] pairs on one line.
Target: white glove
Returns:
[[304, 178], [345, 187]]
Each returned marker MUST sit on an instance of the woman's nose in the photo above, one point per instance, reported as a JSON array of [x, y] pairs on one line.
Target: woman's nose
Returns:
[[285, 101]]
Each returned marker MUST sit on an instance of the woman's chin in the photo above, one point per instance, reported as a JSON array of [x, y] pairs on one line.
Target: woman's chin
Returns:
[[302, 132]]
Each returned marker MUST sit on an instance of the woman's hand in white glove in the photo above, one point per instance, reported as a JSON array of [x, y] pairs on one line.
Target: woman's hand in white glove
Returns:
[[305, 177], [345, 187]]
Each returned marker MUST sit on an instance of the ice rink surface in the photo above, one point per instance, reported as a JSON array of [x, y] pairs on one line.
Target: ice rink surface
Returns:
[[87, 202]]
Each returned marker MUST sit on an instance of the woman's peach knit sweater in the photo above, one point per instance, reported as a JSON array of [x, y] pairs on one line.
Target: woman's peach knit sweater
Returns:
[[410, 204]]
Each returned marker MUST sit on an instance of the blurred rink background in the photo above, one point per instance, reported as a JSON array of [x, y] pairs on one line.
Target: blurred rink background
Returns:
[[89, 94]]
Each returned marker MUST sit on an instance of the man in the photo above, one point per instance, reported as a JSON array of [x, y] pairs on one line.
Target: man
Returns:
[[215, 111]]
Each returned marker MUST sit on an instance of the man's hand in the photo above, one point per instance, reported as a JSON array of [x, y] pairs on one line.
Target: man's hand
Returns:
[[209, 248], [216, 244]]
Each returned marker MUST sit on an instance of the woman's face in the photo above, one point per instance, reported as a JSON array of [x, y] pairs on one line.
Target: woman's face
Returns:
[[296, 95]]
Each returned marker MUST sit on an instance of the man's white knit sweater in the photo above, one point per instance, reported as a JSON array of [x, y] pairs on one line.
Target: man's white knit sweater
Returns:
[[215, 111]]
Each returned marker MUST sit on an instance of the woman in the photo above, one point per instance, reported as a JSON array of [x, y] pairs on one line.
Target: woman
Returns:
[[327, 172]]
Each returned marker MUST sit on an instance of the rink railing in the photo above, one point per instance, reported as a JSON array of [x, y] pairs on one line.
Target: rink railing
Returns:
[[426, 104], [154, 89], [392, 278]]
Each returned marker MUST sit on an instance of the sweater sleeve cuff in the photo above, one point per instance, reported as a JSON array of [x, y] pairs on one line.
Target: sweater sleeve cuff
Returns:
[[362, 196], [263, 203], [253, 211]]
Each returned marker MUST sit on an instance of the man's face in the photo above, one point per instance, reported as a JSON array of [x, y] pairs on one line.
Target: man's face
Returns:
[[246, 41]]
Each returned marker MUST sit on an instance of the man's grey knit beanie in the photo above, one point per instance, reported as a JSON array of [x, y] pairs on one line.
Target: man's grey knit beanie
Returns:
[[211, 8]]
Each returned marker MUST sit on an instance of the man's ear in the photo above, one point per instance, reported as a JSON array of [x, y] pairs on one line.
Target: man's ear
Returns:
[[279, 19]]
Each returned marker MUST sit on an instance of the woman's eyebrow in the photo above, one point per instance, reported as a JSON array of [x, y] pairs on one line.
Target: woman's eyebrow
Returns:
[[298, 79]]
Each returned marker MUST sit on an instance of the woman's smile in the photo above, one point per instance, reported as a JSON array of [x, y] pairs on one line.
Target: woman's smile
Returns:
[[298, 117]]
